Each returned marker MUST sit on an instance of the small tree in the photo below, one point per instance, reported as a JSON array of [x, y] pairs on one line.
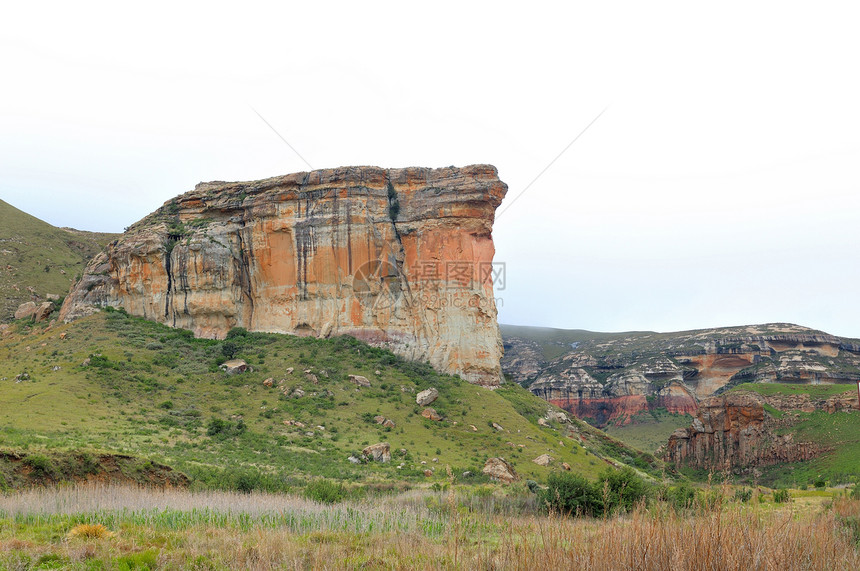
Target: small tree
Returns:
[[229, 349]]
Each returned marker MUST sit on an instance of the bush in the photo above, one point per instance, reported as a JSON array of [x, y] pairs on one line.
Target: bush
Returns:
[[237, 332], [89, 531], [225, 428], [781, 496], [571, 494], [41, 465], [682, 497], [229, 349], [743, 495], [819, 484], [325, 492], [622, 489]]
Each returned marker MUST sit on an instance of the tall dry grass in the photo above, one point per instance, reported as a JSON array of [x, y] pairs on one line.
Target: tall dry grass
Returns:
[[727, 537]]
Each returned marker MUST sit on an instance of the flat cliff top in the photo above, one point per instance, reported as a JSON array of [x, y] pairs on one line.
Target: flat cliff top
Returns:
[[477, 183], [353, 175]]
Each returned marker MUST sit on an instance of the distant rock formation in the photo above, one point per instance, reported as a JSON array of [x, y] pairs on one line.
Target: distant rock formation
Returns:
[[400, 258], [611, 378], [734, 432]]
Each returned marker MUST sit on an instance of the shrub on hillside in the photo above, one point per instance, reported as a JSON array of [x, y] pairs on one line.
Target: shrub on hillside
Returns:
[[682, 497], [41, 465], [225, 428], [622, 489], [325, 492], [571, 494]]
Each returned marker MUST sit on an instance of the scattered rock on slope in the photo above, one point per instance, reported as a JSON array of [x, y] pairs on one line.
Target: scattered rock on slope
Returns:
[[501, 470], [378, 452], [426, 397]]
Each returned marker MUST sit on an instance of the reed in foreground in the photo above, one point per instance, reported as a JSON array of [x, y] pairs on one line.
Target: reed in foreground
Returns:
[[404, 532]]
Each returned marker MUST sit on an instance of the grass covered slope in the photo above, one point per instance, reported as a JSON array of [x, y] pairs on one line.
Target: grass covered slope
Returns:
[[838, 433], [154, 392], [34, 254]]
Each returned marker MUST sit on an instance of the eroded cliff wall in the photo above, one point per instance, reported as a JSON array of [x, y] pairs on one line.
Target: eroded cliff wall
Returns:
[[734, 432], [612, 378], [400, 258]]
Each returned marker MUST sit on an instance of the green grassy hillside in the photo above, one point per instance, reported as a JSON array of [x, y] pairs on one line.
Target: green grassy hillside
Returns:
[[34, 254], [838, 433], [157, 393]]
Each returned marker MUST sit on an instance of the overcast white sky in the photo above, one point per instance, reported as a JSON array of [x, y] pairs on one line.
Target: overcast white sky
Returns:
[[720, 187]]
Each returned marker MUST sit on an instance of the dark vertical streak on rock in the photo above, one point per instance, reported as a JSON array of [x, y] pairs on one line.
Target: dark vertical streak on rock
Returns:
[[171, 242], [245, 255], [393, 210]]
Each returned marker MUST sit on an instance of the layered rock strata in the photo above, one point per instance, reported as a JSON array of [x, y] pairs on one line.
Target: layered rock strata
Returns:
[[400, 258], [612, 378], [620, 398], [734, 432]]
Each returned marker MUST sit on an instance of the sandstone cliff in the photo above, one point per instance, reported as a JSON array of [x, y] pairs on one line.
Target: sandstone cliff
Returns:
[[399, 258], [611, 378], [734, 432]]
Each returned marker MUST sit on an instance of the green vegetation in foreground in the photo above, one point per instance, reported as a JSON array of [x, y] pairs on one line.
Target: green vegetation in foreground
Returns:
[[35, 254], [469, 527], [155, 392]]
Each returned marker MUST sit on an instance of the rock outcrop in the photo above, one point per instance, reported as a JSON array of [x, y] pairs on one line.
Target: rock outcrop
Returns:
[[501, 470], [400, 258], [612, 378], [620, 399], [427, 397], [380, 452], [734, 432]]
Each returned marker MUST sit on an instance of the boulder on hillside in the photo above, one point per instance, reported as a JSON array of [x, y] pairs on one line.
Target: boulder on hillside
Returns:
[[25, 310], [426, 397], [543, 422], [43, 311], [378, 452], [543, 460], [431, 414], [359, 380], [501, 470], [234, 366]]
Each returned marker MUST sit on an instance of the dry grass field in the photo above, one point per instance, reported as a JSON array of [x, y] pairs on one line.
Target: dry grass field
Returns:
[[112, 527]]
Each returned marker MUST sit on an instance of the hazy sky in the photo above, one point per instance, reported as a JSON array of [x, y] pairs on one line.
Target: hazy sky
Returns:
[[719, 187]]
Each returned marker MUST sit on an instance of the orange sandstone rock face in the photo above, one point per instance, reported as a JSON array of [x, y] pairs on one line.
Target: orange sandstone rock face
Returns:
[[400, 258], [733, 432]]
